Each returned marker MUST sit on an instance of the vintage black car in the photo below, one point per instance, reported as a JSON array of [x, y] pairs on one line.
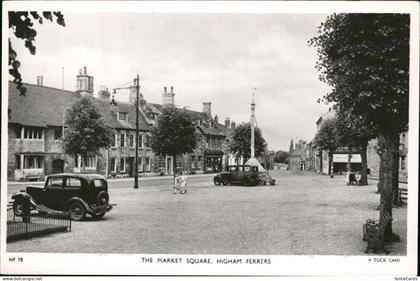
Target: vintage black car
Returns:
[[78, 194], [243, 174]]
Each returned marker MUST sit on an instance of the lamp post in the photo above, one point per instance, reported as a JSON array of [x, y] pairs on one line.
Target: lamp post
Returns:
[[136, 166]]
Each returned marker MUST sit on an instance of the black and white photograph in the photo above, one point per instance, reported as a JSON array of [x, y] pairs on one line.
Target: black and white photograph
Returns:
[[210, 138]]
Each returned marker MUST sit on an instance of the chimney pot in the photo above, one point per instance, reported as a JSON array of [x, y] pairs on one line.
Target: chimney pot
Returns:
[[172, 89], [85, 70], [164, 89]]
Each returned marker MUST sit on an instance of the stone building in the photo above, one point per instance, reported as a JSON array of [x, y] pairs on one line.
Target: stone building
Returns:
[[312, 159], [340, 155], [373, 159], [212, 146], [36, 122], [297, 159]]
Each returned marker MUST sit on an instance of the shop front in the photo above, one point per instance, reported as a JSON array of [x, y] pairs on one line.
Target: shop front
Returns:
[[340, 163], [213, 161]]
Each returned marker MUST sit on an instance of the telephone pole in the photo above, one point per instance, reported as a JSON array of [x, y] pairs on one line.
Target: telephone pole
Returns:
[[136, 172], [136, 165]]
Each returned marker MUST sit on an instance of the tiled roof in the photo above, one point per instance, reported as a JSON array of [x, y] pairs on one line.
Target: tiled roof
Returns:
[[45, 106], [205, 120], [227, 131]]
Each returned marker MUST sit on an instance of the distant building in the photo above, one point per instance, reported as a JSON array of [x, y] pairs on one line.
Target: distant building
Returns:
[[308, 157], [297, 158], [340, 155], [36, 123]]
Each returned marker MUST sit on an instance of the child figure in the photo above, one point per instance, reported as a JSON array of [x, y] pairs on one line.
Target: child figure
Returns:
[[182, 183]]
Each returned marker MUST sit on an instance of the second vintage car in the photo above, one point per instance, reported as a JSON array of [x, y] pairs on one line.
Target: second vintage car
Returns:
[[77, 194], [243, 174]]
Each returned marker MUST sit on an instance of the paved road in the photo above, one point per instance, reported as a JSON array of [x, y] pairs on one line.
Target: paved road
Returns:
[[304, 213]]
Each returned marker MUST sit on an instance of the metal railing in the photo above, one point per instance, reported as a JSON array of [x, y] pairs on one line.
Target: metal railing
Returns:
[[35, 224]]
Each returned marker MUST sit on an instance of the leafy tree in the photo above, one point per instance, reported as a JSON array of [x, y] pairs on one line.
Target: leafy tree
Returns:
[[241, 142], [21, 24], [354, 133], [326, 139], [281, 157], [174, 134], [291, 147], [86, 132], [365, 60]]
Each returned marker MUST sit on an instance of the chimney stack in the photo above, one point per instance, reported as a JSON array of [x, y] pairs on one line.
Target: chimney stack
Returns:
[[104, 94], [207, 108], [168, 98], [227, 122], [40, 80], [233, 125], [84, 83], [216, 119]]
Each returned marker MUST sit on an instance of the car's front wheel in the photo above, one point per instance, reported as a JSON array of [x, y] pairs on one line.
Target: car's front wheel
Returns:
[[77, 211], [217, 181]]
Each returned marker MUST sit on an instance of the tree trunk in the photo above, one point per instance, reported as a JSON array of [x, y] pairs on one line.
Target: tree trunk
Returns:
[[330, 164], [174, 169], [244, 159], [363, 156], [388, 146], [82, 164], [381, 174], [349, 161], [395, 175]]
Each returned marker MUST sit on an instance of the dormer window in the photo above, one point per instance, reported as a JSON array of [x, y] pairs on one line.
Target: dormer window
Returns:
[[122, 116]]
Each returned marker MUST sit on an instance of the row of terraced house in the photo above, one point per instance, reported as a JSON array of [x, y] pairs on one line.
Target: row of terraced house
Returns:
[[305, 156], [35, 134]]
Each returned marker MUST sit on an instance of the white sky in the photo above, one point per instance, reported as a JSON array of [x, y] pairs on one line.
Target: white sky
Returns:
[[206, 57]]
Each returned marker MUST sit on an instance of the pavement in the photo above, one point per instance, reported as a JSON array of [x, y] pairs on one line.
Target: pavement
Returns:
[[303, 214], [141, 178]]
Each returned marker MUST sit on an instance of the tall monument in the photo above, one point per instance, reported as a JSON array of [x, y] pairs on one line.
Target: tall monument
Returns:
[[252, 127], [253, 161]]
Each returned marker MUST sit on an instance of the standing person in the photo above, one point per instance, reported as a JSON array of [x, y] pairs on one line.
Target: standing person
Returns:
[[177, 182], [183, 183]]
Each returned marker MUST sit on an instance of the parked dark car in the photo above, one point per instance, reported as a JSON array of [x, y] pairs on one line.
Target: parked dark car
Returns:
[[243, 174], [78, 194]]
